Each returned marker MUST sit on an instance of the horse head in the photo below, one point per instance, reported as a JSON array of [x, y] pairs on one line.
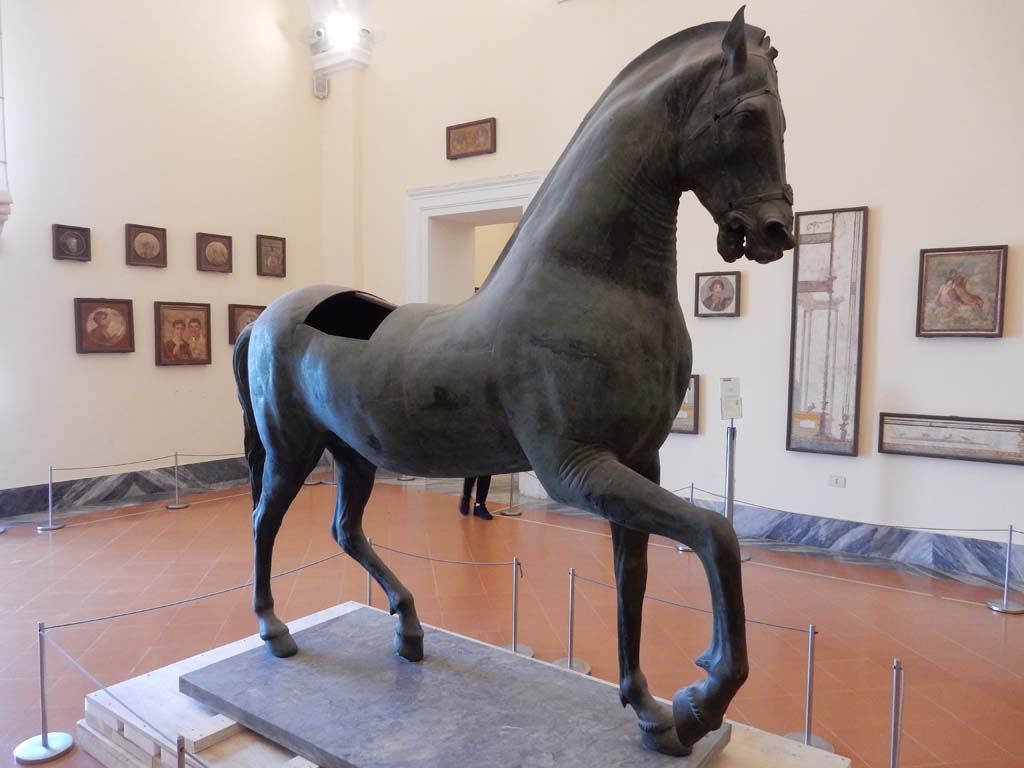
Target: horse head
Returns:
[[734, 160]]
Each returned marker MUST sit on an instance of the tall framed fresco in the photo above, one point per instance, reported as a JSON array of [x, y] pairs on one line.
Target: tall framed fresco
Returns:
[[827, 329]]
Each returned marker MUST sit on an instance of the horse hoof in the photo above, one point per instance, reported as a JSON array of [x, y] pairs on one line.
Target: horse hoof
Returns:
[[409, 647], [691, 723], [281, 646], [661, 738]]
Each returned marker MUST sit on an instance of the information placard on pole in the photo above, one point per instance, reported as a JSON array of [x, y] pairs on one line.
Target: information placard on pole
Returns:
[[732, 402]]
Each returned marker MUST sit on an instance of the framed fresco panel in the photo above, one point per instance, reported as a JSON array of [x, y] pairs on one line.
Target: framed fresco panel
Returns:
[[479, 137], [270, 256], [182, 333], [71, 243], [960, 291], [826, 332], [145, 246], [104, 325], [999, 441], [687, 421], [213, 252], [239, 317], [716, 294]]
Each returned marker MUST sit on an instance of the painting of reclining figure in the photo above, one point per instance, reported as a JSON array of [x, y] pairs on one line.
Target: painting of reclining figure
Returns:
[[1000, 441], [827, 324]]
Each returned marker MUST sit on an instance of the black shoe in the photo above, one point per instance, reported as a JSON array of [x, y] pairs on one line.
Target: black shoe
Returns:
[[480, 510], [464, 505]]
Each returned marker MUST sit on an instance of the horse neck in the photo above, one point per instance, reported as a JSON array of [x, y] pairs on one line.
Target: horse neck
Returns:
[[608, 209]]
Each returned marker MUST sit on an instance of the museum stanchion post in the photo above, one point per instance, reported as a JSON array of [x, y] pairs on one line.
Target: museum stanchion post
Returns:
[[730, 478], [512, 510], [1006, 605], [577, 665], [331, 480], [49, 525], [806, 736], [46, 746], [898, 684], [177, 503], [515, 646], [680, 546]]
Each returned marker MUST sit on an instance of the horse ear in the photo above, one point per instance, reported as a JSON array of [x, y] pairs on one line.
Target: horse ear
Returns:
[[734, 44]]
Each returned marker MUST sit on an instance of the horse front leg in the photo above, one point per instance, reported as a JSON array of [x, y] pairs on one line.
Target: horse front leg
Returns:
[[594, 479]]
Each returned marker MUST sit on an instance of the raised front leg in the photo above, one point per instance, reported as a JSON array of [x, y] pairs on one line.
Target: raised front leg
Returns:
[[594, 479]]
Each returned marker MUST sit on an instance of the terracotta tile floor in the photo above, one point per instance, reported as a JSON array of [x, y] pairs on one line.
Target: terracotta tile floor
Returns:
[[965, 665]]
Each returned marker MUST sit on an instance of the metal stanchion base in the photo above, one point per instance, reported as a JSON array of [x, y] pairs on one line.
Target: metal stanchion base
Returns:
[[744, 556], [2, 529], [816, 741], [510, 512], [46, 527], [32, 751], [521, 649], [178, 505], [683, 548], [310, 481], [578, 665], [332, 481], [406, 478], [1008, 607]]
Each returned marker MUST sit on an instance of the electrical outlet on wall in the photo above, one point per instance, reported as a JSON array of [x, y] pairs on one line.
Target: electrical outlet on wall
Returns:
[[836, 481]]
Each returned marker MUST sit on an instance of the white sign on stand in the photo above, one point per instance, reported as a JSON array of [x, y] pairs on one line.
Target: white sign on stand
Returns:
[[732, 402]]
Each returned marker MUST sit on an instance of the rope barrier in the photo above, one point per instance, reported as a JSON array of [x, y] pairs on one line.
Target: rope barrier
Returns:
[[236, 454], [92, 678], [108, 466], [440, 559], [654, 599]]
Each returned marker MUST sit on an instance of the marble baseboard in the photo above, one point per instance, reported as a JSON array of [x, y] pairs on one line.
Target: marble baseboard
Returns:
[[108, 491]]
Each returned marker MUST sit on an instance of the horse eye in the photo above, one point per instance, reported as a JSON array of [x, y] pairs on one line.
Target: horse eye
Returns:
[[745, 119]]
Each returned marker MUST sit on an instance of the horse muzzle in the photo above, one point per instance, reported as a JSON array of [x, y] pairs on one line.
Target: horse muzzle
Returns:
[[762, 240]]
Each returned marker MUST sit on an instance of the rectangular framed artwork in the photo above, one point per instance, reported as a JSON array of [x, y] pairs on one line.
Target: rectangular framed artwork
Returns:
[[104, 325], [479, 137], [182, 333], [687, 421], [716, 294], [71, 243], [213, 252], [826, 332], [961, 291], [1000, 441], [145, 246], [240, 316], [270, 256]]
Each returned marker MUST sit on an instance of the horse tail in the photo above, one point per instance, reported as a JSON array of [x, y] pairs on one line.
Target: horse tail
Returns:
[[255, 452]]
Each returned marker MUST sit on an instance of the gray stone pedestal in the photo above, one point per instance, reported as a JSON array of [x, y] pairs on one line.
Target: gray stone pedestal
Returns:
[[347, 701]]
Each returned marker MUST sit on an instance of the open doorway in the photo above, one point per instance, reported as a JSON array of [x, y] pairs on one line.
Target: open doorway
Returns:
[[462, 248]]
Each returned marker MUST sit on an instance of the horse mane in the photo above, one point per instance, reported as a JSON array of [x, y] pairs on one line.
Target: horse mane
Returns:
[[691, 47]]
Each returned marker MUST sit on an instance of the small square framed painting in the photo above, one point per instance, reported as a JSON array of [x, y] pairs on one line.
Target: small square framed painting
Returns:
[[145, 246], [213, 252], [104, 325], [961, 291], [716, 294], [270, 256], [182, 333], [479, 137], [687, 421], [239, 317], [71, 243]]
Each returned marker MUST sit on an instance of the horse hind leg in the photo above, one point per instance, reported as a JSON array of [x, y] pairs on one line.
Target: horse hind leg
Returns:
[[355, 476], [282, 482]]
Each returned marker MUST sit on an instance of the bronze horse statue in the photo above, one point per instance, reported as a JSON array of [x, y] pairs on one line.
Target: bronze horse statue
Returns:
[[572, 359]]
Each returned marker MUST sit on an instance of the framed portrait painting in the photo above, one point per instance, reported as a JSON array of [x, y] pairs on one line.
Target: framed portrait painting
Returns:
[[240, 316], [182, 333], [687, 421], [716, 294], [479, 137], [270, 256], [71, 243], [961, 291], [145, 246], [213, 252], [104, 325], [826, 331], [999, 441]]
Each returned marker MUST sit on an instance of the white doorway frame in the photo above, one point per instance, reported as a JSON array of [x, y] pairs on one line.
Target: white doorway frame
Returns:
[[446, 200]]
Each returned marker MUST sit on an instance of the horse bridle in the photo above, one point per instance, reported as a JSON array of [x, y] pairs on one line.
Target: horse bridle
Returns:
[[786, 191]]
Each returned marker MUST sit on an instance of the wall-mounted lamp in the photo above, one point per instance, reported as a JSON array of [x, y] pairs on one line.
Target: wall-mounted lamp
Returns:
[[337, 41]]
